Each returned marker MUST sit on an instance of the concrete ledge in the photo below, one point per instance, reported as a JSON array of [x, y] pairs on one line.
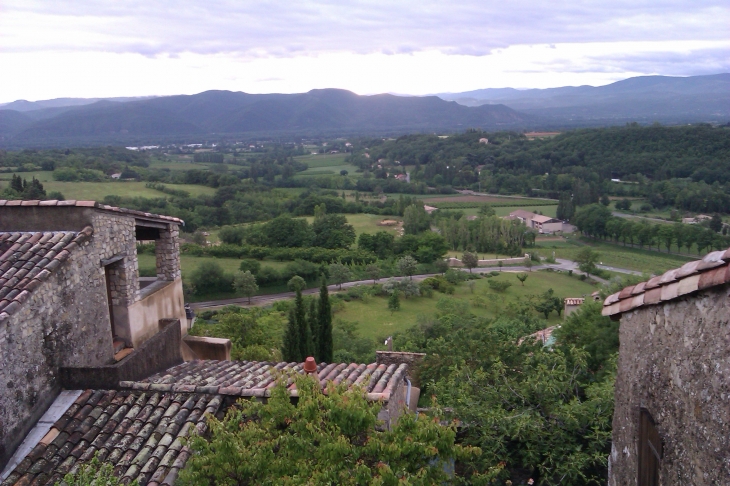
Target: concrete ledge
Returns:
[[209, 347]]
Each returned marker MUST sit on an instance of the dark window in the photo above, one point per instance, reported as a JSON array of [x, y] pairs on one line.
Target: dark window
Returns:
[[650, 450]]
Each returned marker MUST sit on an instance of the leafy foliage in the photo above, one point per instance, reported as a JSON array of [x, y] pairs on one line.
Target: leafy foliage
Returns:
[[323, 439]]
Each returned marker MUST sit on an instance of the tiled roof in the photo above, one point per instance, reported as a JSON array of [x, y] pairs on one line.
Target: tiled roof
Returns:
[[712, 270], [574, 301], [255, 379], [27, 259], [89, 204], [139, 433], [139, 428]]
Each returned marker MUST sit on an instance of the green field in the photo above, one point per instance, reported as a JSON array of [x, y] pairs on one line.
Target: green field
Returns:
[[646, 261], [376, 321], [96, 191], [325, 164]]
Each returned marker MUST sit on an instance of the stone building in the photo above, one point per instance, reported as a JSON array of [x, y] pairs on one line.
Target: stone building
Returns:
[[70, 296], [671, 423]]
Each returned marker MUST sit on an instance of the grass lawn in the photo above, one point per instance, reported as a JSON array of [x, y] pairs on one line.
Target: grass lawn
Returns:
[[376, 321], [96, 191], [645, 261]]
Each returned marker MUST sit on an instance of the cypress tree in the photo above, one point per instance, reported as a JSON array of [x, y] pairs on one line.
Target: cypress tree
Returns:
[[290, 348], [314, 326], [304, 333], [324, 336]]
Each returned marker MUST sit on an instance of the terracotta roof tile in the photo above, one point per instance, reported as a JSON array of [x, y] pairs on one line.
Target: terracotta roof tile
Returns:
[[26, 259], [574, 301], [137, 448], [711, 271]]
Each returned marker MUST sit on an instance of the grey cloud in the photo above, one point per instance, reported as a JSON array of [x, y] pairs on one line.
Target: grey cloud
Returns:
[[285, 29]]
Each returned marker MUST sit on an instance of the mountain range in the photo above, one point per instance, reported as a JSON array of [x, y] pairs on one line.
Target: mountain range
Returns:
[[328, 112], [323, 111], [643, 98]]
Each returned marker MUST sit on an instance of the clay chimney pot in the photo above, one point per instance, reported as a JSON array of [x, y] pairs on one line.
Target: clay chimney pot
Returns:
[[310, 366]]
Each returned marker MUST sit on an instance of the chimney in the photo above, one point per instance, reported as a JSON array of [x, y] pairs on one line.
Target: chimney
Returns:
[[310, 366]]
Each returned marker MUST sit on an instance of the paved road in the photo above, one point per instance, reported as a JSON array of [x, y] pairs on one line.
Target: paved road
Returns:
[[560, 264]]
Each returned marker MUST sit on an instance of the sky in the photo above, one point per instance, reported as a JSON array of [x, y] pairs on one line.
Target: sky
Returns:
[[87, 48]]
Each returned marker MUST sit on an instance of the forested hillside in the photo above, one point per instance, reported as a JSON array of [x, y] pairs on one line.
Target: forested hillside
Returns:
[[674, 166]]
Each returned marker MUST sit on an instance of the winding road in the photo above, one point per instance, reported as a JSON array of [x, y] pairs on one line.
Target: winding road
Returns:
[[258, 300]]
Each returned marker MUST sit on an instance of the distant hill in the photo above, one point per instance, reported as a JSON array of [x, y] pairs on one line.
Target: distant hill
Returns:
[[328, 111], [24, 106], [643, 99]]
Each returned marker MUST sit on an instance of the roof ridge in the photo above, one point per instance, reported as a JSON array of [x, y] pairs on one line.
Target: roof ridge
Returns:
[[712, 270], [87, 204]]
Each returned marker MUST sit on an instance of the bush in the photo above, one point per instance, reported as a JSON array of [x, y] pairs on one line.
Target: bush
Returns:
[[268, 276], [252, 266], [226, 251], [439, 284], [210, 278], [499, 285], [455, 276]]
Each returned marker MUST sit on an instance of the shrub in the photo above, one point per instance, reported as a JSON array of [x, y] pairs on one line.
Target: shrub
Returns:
[[268, 276], [209, 278], [252, 266], [499, 285], [455, 276]]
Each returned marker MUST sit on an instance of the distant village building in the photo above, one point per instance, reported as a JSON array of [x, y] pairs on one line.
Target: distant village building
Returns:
[[671, 423], [571, 304], [429, 209], [485, 141], [543, 224], [696, 219]]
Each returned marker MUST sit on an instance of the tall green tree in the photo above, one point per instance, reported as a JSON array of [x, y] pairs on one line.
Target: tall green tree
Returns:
[[290, 350], [324, 337], [312, 319], [304, 333], [245, 282]]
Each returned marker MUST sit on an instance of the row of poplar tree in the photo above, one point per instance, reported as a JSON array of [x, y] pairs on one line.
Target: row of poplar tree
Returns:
[[309, 331]]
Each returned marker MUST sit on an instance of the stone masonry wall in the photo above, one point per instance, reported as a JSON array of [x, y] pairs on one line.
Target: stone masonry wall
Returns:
[[674, 361], [64, 322], [167, 252]]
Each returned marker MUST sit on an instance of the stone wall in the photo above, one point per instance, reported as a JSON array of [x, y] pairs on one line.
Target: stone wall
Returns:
[[674, 361], [64, 322]]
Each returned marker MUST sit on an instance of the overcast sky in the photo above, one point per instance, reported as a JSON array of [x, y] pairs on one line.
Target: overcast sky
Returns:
[[91, 48]]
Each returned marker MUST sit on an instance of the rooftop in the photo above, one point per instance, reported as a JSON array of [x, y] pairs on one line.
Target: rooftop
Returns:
[[691, 277], [139, 433], [140, 428], [255, 379], [29, 258], [88, 204]]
